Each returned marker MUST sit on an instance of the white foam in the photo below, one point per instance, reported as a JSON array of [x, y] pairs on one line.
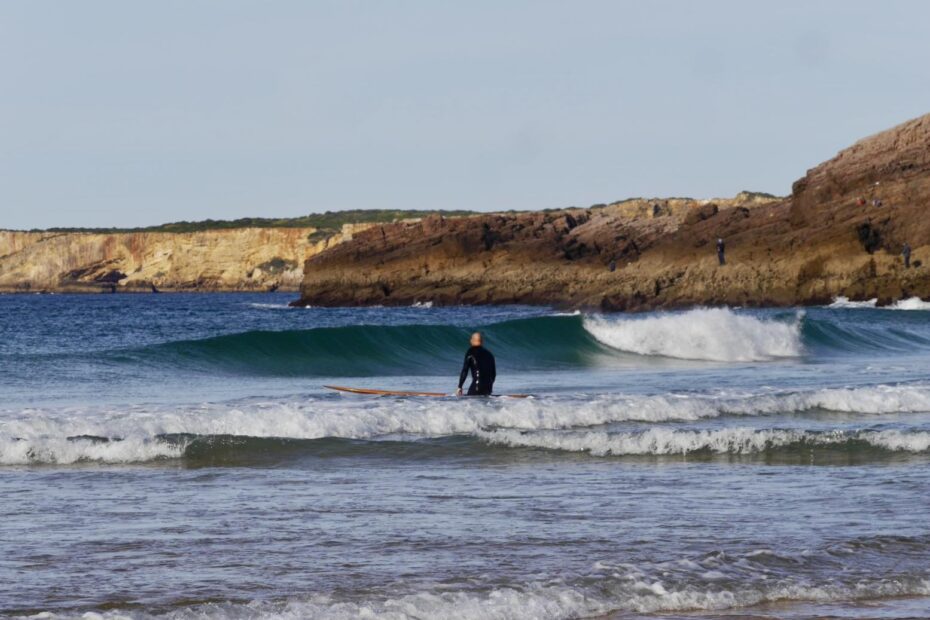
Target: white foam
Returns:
[[866, 400], [912, 303], [664, 441], [35, 435], [900, 441], [844, 302], [422, 304], [60, 450], [715, 334], [619, 589]]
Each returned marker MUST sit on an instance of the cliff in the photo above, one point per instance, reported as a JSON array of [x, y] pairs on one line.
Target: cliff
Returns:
[[839, 233], [242, 259]]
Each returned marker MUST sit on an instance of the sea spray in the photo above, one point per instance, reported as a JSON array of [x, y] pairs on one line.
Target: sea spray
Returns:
[[911, 303]]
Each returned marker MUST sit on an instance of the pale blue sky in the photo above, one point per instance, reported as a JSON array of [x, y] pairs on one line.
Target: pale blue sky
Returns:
[[124, 113]]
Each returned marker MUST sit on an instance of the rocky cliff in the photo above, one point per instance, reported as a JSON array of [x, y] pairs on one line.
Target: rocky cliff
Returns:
[[243, 259], [839, 233]]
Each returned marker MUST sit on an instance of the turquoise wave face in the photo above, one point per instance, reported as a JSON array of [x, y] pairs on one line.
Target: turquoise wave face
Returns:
[[530, 344], [536, 343], [863, 334], [378, 350]]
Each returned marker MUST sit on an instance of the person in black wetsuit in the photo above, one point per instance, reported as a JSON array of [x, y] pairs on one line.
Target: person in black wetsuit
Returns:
[[721, 252], [480, 363]]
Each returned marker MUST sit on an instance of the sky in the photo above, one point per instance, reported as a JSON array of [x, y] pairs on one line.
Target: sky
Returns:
[[128, 113]]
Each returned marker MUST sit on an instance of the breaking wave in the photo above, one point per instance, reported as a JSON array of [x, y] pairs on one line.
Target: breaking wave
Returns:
[[736, 441], [69, 450], [289, 427], [716, 334], [531, 344], [911, 303], [224, 450]]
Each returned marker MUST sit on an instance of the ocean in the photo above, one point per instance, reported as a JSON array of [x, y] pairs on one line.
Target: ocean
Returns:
[[177, 456]]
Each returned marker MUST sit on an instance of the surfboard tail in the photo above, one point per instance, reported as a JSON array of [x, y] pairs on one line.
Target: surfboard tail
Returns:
[[373, 392]]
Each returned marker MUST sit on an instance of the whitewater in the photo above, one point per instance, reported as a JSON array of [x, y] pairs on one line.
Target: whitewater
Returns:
[[177, 456], [138, 434]]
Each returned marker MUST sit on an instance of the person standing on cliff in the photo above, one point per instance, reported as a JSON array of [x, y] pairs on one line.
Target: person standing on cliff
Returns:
[[721, 252], [906, 253], [480, 363]]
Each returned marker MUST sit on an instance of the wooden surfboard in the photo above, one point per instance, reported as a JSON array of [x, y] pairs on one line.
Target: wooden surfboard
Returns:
[[371, 392]]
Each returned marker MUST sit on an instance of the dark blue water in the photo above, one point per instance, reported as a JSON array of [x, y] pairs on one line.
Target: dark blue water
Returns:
[[178, 456]]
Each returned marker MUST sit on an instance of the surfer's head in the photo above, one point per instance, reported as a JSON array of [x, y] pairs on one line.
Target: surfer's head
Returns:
[[476, 339]]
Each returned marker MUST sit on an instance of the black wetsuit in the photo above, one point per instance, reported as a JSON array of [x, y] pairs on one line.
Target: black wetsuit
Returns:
[[480, 363], [721, 252]]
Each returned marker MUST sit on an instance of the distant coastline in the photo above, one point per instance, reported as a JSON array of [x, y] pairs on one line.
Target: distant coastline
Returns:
[[840, 233], [248, 254]]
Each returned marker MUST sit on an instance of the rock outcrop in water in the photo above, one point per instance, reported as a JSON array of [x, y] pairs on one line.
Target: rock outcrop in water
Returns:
[[840, 233], [243, 259]]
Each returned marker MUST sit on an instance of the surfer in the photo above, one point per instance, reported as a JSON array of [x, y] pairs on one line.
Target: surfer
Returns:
[[721, 252], [906, 252], [480, 363]]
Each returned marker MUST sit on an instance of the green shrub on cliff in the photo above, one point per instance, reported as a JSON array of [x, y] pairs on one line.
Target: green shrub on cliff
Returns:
[[328, 222], [277, 265]]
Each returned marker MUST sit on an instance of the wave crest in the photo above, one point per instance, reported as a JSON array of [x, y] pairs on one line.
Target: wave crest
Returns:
[[911, 303], [69, 450], [714, 334], [660, 441], [137, 434]]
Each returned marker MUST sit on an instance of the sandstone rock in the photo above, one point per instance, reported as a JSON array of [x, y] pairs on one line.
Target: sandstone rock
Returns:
[[245, 259], [701, 213], [838, 234]]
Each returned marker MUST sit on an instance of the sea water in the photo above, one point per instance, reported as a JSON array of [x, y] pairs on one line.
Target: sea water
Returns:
[[178, 456]]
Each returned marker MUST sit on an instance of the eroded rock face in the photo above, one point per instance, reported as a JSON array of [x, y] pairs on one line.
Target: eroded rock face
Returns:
[[534, 257], [840, 233], [247, 259]]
